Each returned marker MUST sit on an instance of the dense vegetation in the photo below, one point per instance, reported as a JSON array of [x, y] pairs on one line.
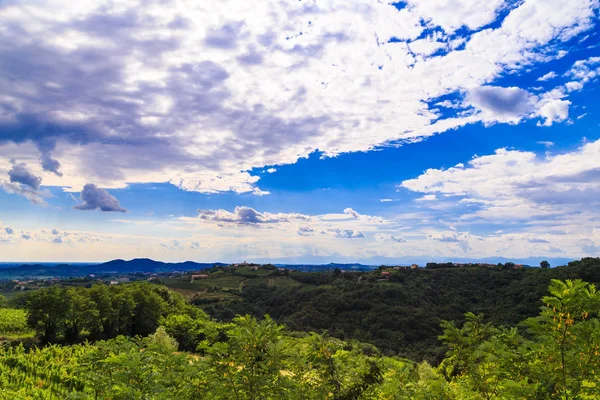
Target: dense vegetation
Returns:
[[555, 354], [142, 340], [69, 314], [13, 321], [401, 315]]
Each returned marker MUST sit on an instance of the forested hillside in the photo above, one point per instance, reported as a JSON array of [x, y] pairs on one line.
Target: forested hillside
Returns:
[[554, 355], [401, 315]]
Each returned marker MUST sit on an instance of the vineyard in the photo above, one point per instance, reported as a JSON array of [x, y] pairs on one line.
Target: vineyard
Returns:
[[13, 321]]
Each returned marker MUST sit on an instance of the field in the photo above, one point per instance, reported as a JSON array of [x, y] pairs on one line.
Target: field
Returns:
[[225, 286], [227, 282]]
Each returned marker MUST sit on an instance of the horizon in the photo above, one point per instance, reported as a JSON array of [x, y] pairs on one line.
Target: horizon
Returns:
[[528, 262], [347, 131]]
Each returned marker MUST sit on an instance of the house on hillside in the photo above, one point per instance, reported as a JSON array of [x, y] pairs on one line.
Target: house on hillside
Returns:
[[385, 274], [414, 266]]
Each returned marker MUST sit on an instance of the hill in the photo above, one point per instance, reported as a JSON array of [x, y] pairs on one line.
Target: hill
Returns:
[[46, 270]]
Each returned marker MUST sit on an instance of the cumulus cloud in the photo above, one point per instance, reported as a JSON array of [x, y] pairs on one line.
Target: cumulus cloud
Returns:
[[554, 111], [34, 196], [306, 231], [451, 15], [388, 237], [20, 174], [501, 104], [144, 78], [550, 75], [346, 233], [585, 70], [520, 185], [351, 212], [248, 216], [93, 198], [9, 230]]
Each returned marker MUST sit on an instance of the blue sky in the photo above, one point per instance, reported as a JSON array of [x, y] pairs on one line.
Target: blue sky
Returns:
[[304, 131]]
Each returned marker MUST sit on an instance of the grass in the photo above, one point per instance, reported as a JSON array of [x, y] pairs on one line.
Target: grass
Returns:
[[282, 281], [229, 282]]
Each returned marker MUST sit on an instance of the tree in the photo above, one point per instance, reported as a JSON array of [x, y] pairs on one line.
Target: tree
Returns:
[[250, 363], [566, 346], [47, 310], [545, 264]]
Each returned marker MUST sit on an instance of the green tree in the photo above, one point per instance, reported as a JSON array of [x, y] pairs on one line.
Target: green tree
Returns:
[[47, 311], [80, 312], [545, 264], [249, 365], [566, 341]]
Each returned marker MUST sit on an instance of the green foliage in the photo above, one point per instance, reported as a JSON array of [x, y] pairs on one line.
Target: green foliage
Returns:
[[64, 314], [558, 358], [13, 321], [402, 314], [554, 355]]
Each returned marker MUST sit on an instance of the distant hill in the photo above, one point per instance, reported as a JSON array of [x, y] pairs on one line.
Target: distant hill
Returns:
[[66, 270], [327, 267], [45, 270]]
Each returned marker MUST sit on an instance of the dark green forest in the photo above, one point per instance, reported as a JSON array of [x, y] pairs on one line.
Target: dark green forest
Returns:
[[433, 333], [402, 315]]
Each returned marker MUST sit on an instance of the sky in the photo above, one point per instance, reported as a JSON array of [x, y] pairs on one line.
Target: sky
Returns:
[[299, 131]]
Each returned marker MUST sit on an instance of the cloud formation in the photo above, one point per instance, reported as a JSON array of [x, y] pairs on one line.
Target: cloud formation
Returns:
[[499, 103], [346, 233], [20, 174], [243, 215], [201, 97], [351, 212], [519, 185], [94, 198]]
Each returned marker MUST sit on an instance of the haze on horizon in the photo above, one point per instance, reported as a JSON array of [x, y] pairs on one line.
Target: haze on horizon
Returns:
[[337, 131]]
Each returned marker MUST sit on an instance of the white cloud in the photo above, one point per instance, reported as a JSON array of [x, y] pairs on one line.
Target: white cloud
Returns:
[[305, 231], [451, 15], [346, 233], [501, 104], [554, 111], [388, 237], [550, 75], [201, 98], [248, 216], [585, 70], [351, 212], [517, 185], [546, 143], [573, 86]]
